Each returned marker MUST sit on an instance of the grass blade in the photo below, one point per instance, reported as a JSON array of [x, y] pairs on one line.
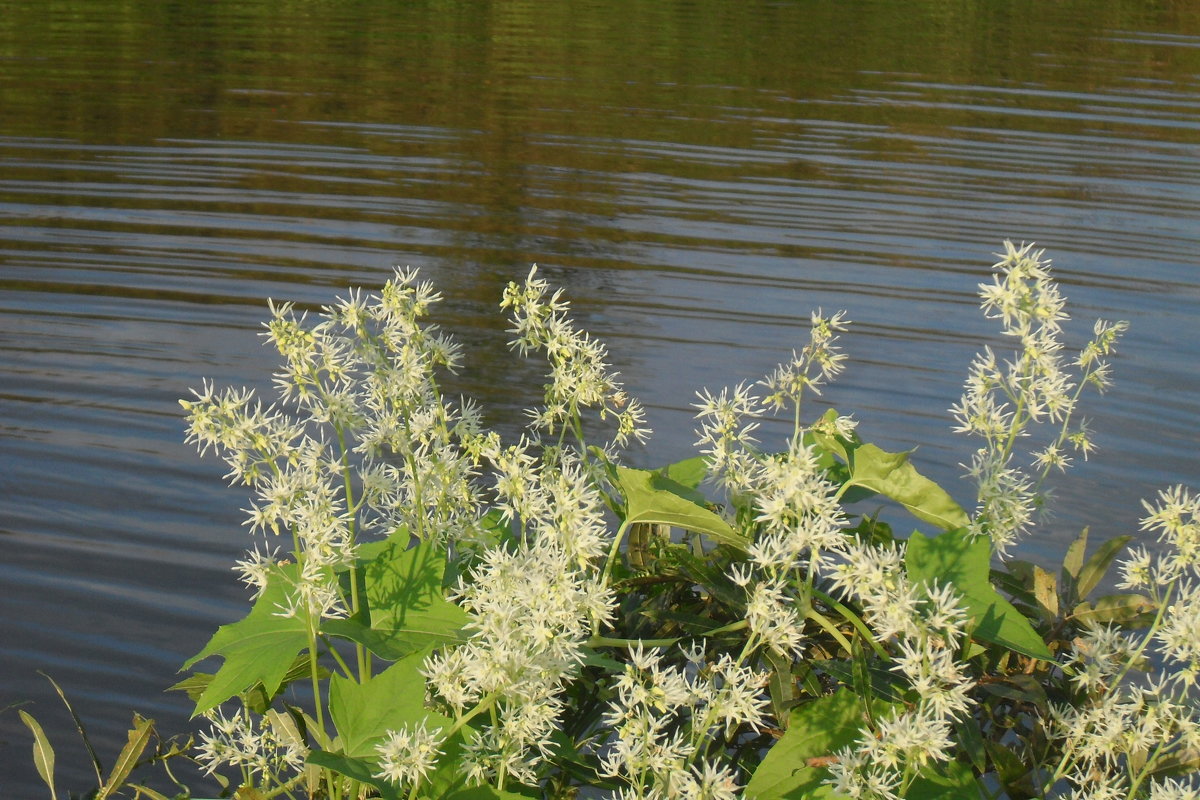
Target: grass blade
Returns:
[[79, 727]]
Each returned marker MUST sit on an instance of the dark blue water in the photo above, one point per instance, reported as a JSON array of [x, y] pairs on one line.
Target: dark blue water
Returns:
[[698, 176]]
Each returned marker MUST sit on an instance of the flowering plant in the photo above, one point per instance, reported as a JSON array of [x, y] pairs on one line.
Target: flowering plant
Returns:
[[441, 614]]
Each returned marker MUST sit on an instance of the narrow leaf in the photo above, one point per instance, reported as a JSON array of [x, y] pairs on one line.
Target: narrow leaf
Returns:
[[1045, 589], [1093, 571], [1121, 609], [488, 793], [147, 792], [138, 738], [43, 753], [970, 736], [1073, 561], [87, 743]]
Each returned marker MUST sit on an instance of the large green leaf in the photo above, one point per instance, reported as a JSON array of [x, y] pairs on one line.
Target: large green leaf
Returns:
[[963, 561], [259, 648], [690, 472], [408, 610], [487, 793], [359, 769], [891, 475], [365, 712], [793, 769], [945, 781], [654, 497]]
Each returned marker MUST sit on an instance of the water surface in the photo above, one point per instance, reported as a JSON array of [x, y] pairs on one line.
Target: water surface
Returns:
[[698, 175]]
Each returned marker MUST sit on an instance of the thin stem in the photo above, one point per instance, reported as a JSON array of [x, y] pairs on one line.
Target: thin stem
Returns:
[[605, 641], [854, 620], [312, 671], [338, 658], [820, 619]]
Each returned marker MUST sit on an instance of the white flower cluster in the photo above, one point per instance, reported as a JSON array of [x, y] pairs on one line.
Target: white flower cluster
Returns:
[[928, 627], [366, 443], [1116, 740], [407, 756], [1003, 402], [532, 608], [267, 750], [579, 373], [662, 719]]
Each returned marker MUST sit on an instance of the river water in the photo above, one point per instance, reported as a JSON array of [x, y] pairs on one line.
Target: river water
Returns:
[[697, 174]]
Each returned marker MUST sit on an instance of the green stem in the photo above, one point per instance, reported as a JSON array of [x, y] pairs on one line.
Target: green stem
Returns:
[[605, 641], [360, 651], [313, 676], [606, 575], [829, 627], [338, 658], [854, 620], [484, 705], [283, 788]]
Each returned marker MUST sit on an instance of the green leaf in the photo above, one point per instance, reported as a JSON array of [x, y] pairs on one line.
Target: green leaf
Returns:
[[945, 781], [782, 685], [260, 648], [358, 769], [1073, 562], [408, 610], [970, 737], [1045, 590], [138, 738], [891, 475], [147, 791], [963, 562], [1018, 687], [365, 712], [653, 497], [690, 472], [1122, 609], [487, 793], [43, 753], [794, 768], [87, 742], [1093, 571]]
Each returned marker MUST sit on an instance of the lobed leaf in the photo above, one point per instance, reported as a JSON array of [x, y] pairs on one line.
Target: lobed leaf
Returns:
[[893, 476], [364, 712], [358, 769], [259, 648], [407, 608]]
